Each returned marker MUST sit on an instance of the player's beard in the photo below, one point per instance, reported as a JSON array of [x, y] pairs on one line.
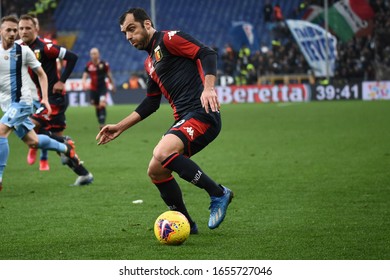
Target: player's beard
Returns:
[[144, 42], [9, 41]]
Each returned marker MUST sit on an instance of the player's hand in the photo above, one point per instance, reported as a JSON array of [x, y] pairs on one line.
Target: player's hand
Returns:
[[107, 134], [86, 86], [59, 87], [45, 107], [209, 100]]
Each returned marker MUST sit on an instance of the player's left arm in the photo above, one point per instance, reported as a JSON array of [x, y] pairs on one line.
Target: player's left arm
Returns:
[[183, 44], [71, 59], [209, 97]]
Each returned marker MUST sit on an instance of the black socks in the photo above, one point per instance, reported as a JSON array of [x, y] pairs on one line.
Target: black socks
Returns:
[[171, 194], [191, 172]]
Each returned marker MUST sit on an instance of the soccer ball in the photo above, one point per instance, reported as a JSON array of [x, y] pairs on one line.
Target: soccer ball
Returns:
[[172, 228]]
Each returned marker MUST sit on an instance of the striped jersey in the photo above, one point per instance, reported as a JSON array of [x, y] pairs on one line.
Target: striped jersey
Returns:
[[98, 74], [175, 70], [14, 83], [47, 53]]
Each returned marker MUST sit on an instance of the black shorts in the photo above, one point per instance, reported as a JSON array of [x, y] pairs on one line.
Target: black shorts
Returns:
[[96, 94], [57, 120], [196, 129]]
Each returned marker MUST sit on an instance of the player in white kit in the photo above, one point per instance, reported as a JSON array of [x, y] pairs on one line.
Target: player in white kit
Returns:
[[16, 97]]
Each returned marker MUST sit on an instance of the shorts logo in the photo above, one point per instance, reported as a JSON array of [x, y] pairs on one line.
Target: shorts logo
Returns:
[[190, 131]]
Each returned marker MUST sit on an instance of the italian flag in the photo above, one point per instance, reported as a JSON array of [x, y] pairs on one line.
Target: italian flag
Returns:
[[312, 13], [348, 17]]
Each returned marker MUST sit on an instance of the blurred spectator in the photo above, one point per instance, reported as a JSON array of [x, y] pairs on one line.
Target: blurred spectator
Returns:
[[247, 75], [243, 57], [136, 81], [228, 60], [278, 14], [267, 11], [365, 58], [16, 7], [133, 81]]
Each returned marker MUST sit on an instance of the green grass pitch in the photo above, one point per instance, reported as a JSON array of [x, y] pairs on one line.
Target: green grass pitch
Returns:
[[311, 181]]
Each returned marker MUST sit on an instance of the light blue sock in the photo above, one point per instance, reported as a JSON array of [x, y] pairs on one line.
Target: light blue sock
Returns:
[[44, 154], [4, 152], [46, 143]]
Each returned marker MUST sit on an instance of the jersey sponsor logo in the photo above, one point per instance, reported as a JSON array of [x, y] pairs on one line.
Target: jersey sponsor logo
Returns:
[[38, 54], [190, 131], [158, 53], [171, 34]]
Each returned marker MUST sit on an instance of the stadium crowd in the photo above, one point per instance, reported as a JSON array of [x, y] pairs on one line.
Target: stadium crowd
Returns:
[[365, 58]]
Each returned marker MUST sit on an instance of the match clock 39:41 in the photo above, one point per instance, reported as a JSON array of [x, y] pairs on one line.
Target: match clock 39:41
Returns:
[[333, 92]]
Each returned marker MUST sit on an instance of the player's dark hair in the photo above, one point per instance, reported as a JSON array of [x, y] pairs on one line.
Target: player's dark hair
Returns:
[[10, 18], [28, 17], [139, 14]]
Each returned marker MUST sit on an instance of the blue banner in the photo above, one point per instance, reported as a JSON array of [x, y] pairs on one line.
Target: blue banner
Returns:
[[318, 47], [243, 33]]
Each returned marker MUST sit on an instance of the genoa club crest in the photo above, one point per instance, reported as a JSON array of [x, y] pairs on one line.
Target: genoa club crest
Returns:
[[38, 54], [158, 53]]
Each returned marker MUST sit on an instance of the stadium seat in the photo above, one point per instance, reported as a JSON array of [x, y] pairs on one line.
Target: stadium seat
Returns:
[[97, 25]]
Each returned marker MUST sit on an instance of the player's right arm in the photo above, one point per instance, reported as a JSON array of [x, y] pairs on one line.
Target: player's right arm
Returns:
[[35, 65], [112, 131], [84, 80], [147, 107], [109, 132]]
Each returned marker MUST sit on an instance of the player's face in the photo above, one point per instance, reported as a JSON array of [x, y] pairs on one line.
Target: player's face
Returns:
[[9, 31], [136, 33], [27, 31], [94, 53]]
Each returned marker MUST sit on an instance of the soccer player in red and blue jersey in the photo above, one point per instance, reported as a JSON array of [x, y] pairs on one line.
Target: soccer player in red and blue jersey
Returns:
[[98, 70], [184, 71], [47, 53]]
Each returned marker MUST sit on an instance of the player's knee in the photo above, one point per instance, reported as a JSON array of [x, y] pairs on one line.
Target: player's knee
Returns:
[[156, 172], [161, 154], [152, 174]]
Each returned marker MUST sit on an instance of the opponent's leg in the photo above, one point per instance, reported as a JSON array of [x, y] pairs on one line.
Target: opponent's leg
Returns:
[[44, 161], [84, 176], [4, 153]]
